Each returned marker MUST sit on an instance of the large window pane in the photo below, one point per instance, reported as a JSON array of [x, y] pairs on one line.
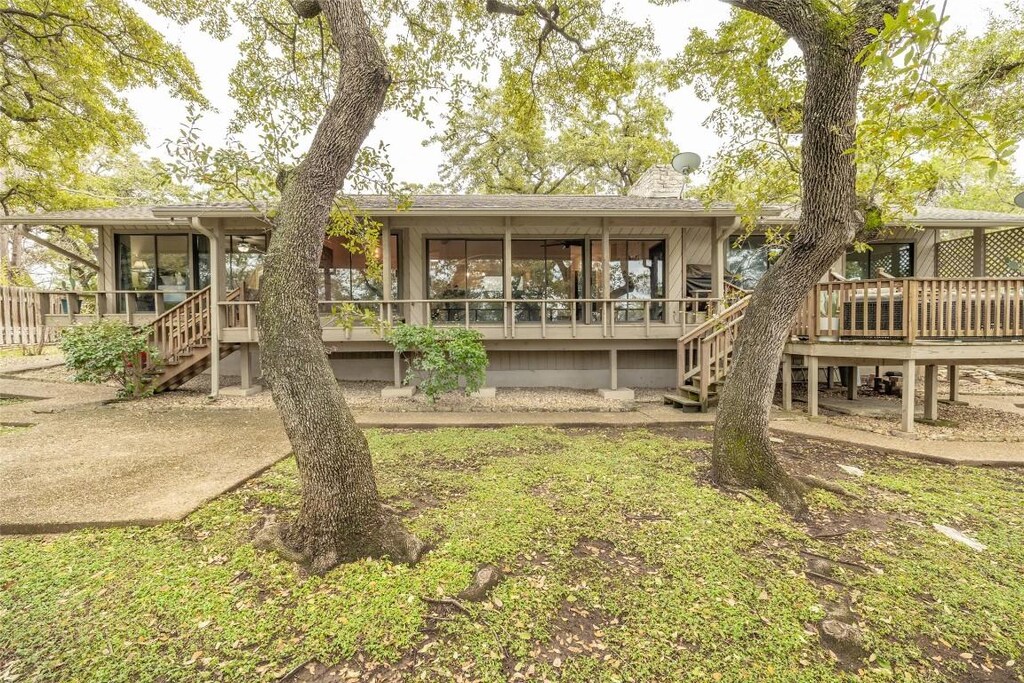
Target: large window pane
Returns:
[[895, 259], [466, 269], [136, 260], [172, 268], [345, 276], [749, 258], [244, 261], [636, 273], [551, 270]]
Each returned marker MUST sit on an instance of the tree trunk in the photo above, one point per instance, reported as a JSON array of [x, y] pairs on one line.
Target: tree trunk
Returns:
[[341, 516], [742, 453]]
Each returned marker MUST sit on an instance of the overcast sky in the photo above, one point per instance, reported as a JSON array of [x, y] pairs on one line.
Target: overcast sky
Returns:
[[413, 162]]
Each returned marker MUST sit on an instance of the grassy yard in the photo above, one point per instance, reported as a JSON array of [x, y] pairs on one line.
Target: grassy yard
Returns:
[[620, 561]]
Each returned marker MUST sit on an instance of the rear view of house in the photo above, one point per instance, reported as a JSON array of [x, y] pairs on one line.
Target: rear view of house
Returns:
[[598, 292]]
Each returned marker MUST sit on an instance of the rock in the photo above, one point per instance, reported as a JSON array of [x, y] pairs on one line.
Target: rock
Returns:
[[851, 470], [959, 537], [846, 640], [486, 578], [775, 439]]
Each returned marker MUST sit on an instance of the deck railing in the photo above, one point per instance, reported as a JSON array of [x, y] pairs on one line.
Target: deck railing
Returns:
[[911, 308], [508, 316], [709, 346]]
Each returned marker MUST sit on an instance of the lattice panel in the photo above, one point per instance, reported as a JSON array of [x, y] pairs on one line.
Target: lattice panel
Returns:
[[956, 258], [1004, 253]]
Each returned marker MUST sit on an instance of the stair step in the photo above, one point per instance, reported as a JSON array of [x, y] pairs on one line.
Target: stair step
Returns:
[[682, 403]]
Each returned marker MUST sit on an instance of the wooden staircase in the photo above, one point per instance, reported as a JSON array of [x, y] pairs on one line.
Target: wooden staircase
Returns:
[[704, 358], [182, 337]]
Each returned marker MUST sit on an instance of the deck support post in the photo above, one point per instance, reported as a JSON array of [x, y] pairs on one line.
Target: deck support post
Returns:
[[613, 369], [245, 366], [931, 393], [852, 382], [812, 385], [398, 370], [787, 382], [909, 394], [954, 383]]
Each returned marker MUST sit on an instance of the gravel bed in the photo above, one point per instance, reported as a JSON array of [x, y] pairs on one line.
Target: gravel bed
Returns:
[[957, 423], [13, 362], [365, 397]]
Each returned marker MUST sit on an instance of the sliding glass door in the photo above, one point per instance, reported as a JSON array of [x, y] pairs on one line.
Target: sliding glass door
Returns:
[[153, 263]]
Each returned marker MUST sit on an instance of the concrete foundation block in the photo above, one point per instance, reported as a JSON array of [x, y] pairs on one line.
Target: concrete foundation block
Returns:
[[617, 394], [239, 391], [398, 392], [485, 394]]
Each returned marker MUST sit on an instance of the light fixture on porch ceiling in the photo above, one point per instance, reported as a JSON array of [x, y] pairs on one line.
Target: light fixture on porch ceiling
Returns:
[[685, 163], [1019, 200]]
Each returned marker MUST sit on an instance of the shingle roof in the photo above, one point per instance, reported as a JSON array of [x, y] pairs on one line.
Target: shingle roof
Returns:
[[118, 215], [488, 204], [552, 205]]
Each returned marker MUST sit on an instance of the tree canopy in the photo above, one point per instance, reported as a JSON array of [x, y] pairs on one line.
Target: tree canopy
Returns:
[[925, 123], [66, 65]]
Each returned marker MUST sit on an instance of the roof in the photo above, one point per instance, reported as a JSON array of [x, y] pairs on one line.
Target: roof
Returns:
[[487, 204], [495, 205], [933, 217], [120, 215]]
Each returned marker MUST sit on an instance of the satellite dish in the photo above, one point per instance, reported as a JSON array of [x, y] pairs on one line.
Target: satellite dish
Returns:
[[1019, 200], [686, 162]]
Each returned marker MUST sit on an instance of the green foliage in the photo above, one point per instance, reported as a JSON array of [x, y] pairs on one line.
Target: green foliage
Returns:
[[922, 135], [441, 357], [65, 65], [109, 350], [691, 583], [518, 139]]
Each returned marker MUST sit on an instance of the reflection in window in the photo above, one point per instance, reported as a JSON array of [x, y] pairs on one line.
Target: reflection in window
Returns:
[[547, 269], [153, 263], [748, 259], [466, 269], [345, 276], [636, 272], [894, 259]]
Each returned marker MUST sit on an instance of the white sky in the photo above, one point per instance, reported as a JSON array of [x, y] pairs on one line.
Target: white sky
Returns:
[[162, 115]]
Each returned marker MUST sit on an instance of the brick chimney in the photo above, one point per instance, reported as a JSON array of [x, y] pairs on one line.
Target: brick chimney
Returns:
[[658, 181]]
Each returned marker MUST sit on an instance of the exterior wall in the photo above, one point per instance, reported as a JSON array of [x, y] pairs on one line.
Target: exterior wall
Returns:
[[571, 369]]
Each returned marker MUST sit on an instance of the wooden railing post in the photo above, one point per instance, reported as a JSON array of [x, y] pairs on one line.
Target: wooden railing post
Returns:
[[911, 290]]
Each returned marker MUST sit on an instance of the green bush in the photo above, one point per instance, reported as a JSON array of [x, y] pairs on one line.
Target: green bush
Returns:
[[441, 357], [109, 350]]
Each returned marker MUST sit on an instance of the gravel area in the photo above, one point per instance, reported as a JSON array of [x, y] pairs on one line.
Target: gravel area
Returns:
[[956, 423], [365, 397], [13, 361]]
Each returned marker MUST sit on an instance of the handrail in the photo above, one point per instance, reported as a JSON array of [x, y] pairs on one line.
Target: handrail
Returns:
[[914, 308], [708, 348]]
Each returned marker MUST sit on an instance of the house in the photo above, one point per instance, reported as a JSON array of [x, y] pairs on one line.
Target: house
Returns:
[[600, 292]]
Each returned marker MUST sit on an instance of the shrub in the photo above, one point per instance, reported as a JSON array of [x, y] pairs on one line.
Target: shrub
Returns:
[[109, 350], [442, 357]]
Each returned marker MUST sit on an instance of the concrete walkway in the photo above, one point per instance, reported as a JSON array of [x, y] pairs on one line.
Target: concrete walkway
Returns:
[[646, 415], [84, 463]]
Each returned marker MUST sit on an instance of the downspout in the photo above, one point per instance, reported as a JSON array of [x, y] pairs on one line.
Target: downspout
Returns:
[[216, 286]]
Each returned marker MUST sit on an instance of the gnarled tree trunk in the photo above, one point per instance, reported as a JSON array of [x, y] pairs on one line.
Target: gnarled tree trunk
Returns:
[[742, 453], [341, 516]]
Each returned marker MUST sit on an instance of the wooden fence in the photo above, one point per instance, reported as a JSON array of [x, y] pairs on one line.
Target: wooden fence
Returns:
[[22, 320]]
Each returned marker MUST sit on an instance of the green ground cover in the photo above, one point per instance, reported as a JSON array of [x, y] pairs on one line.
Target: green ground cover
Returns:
[[620, 562]]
